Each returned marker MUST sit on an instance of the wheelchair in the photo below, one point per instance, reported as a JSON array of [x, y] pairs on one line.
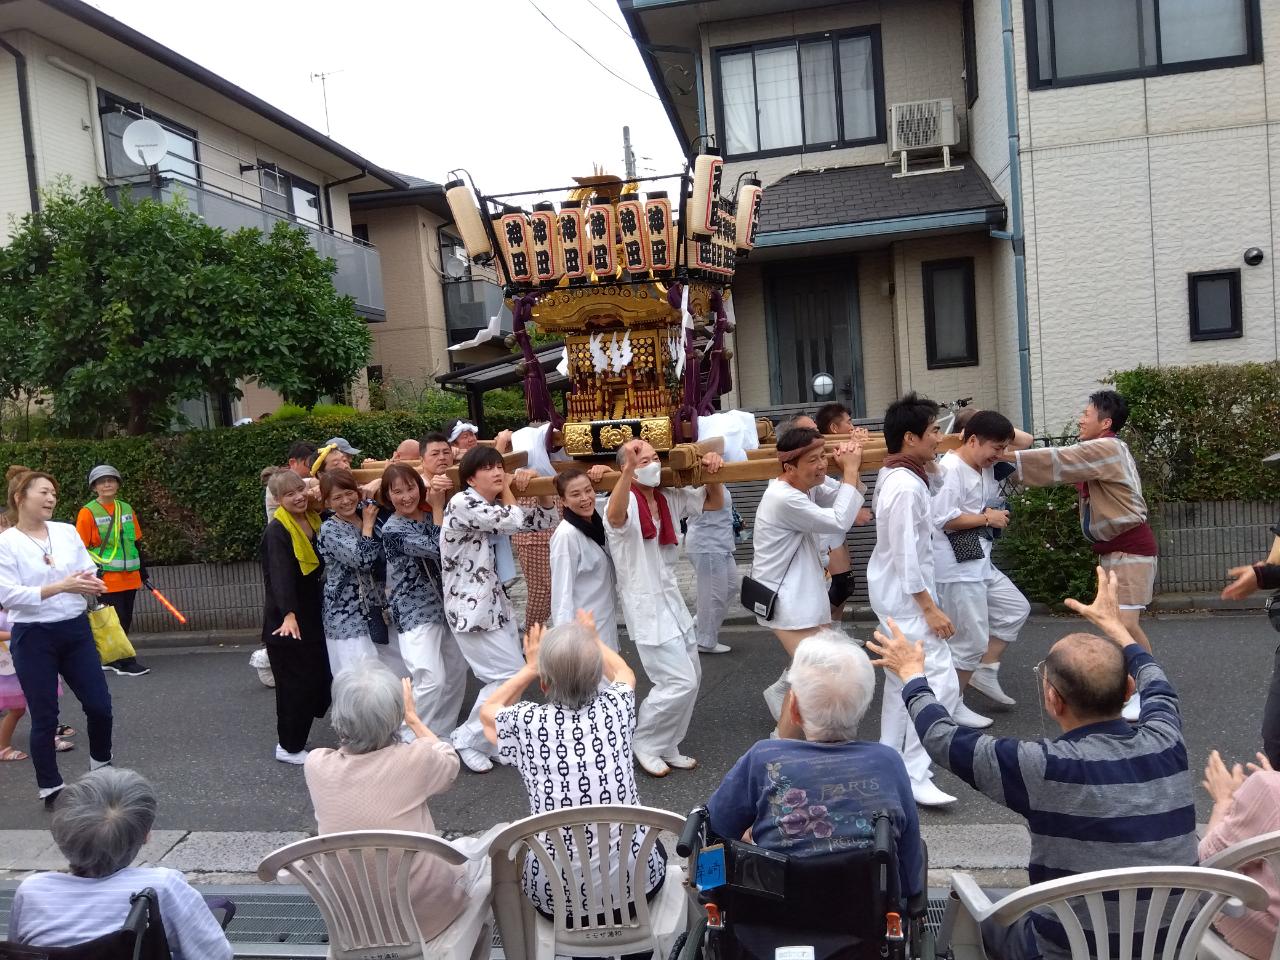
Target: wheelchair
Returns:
[[771, 906]]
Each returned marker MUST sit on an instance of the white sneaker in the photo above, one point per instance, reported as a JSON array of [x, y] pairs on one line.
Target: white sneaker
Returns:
[[284, 756], [258, 660], [776, 692], [653, 766], [968, 718], [928, 795], [679, 761], [476, 761], [986, 680], [1132, 709], [718, 648]]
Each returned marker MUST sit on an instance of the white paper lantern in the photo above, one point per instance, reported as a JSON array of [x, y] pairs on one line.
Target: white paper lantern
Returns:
[[572, 230], [633, 233], [467, 218], [749, 197], [548, 264], [660, 232], [601, 230], [701, 210]]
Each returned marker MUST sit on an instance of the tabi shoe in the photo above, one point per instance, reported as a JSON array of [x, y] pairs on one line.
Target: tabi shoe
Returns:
[[1132, 708], [284, 756], [986, 680], [968, 718], [653, 766], [718, 648], [476, 761], [928, 795], [679, 761]]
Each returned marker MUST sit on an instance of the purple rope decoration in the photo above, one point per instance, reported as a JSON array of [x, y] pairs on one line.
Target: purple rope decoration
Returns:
[[718, 377], [537, 396]]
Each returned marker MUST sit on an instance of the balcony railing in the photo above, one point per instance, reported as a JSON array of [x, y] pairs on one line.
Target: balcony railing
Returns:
[[468, 305], [359, 273]]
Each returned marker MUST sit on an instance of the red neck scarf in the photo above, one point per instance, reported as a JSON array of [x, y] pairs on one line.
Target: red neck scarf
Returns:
[[901, 460], [666, 530]]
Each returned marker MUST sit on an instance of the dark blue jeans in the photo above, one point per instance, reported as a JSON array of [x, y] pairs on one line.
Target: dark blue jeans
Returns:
[[42, 651]]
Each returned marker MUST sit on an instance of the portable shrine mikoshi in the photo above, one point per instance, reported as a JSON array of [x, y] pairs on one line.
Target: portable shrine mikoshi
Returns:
[[631, 281]]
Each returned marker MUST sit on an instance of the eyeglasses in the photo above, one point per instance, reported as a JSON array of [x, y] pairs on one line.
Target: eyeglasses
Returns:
[[1042, 676]]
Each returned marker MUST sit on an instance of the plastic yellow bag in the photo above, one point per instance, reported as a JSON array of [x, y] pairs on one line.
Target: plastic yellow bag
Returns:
[[112, 642]]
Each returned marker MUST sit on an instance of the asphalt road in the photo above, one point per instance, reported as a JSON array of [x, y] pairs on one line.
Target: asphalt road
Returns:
[[201, 727]]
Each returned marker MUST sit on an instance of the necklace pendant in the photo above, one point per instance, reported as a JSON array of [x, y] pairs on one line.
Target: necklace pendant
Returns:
[[48, 560]]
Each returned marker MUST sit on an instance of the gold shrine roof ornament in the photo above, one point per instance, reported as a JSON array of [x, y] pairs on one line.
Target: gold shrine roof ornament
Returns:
[[635, 283]]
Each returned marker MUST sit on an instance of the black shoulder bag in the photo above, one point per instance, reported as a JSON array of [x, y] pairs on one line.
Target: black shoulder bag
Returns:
[[761, 599]]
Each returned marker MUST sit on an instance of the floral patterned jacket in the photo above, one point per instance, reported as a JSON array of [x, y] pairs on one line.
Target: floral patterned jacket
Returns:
[[474, 598], [354, 579]]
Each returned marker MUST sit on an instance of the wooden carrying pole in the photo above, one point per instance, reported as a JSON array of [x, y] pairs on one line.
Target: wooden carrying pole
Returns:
[[683, 467]]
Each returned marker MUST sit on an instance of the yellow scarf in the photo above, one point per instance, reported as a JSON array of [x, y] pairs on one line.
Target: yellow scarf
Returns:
[[303, 551]]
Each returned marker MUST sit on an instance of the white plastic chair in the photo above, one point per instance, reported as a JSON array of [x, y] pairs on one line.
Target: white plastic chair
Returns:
[[527, 935], [1198, 895], [1264, 847], [367, 906]]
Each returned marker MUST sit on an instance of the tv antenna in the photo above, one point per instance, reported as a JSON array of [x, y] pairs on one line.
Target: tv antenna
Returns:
[[323, 76]]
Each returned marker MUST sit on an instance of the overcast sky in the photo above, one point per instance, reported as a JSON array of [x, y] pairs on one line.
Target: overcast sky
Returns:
[[423, 86]]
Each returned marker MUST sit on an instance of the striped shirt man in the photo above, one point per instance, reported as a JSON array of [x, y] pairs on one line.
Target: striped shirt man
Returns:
[[1104, 795]]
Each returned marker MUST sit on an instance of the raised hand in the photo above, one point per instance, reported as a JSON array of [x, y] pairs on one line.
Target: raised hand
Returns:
[[1244, 582], [1220, 782], [532, 640], [1104, 612]]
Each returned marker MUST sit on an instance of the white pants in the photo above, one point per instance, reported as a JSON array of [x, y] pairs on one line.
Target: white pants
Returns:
[[674, 669], [438, 674], [495, 656], [896, 728], [981, 609], [717, 577], [348, 651]]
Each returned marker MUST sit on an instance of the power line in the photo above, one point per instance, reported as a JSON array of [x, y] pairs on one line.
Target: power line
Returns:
[[602, 13], [600, 62]]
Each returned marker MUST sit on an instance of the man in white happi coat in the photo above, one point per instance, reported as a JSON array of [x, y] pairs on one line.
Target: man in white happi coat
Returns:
[[900, 578], [642, 523]]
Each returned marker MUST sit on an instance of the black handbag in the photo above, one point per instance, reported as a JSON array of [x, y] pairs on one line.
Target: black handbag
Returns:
[[761, 599], [377, 617], [966, 544]]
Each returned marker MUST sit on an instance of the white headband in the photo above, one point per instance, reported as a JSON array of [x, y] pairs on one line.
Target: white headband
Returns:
[[462, 427]]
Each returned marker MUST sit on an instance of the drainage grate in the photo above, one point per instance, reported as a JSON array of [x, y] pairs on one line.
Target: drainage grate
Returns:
[[273, 924]]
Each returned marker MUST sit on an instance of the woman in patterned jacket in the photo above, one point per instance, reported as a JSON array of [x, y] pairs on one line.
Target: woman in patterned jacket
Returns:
[[355, 573], [411, 541], [476, 603]]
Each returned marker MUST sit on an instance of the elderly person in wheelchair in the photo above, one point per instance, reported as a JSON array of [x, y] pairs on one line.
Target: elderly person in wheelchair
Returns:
[[815, 789], [100, 824], [836, 862], [574, 748]]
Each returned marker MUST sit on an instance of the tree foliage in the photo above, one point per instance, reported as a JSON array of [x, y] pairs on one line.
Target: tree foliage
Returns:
[[118, 313]]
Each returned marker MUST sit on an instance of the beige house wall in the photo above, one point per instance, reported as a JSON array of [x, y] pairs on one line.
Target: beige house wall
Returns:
[[1128, 187], [411, 344], [922, 54], [63, 121], [14, 195]]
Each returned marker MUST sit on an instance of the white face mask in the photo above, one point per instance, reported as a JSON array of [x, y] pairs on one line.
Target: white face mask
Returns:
[[650, 474]]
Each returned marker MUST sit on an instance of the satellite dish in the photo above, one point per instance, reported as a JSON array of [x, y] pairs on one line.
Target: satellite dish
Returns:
[[145, 142], [454, 268], [823, 385]]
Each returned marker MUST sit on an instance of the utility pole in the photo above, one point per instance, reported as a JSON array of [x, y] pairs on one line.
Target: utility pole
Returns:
[[628, 155], [324, 92]]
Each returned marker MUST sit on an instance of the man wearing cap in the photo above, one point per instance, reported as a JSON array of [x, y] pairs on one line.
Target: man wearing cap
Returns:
[[109, 528], [336, 454]]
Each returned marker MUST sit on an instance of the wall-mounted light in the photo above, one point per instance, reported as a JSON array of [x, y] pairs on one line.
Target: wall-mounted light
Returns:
[[1254, 256]]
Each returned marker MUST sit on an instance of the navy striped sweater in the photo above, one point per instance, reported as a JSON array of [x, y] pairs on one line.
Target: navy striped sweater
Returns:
[[1106, 795]]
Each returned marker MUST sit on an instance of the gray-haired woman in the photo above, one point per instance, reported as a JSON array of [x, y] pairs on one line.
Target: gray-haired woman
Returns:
[[574, 749], [100, 823], [375, 781]]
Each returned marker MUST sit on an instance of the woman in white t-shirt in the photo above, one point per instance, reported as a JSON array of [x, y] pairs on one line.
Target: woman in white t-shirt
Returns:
[[45, 577], [573, 750]]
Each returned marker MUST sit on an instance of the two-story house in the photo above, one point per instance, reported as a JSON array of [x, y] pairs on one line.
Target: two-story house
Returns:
[[1114, 208], [72, 79]]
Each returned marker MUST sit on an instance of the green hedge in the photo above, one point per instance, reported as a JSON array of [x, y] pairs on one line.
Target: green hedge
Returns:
[[197, 494], [1200, 433], [1043, 550]]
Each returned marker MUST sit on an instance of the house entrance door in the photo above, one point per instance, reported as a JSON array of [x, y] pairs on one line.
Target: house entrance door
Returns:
[[813, 325]]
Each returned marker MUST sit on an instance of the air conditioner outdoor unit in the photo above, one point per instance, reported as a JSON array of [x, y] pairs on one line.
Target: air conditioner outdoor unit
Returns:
[[924, 125]]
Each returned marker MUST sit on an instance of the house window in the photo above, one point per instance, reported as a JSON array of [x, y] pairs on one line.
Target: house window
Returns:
[[1094, 41], [805, 93], [374, 373], [1216, 312], [181, 160], [360, 231], [970, 37], [950, 314], [292, 196]]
